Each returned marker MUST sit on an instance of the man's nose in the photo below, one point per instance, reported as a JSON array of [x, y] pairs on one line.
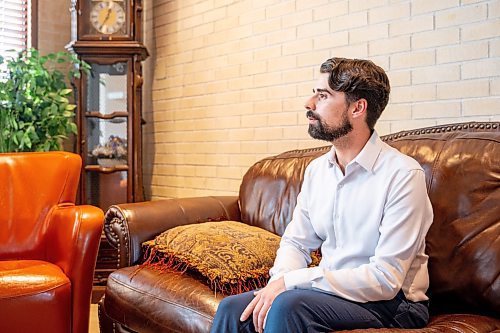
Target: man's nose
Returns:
[[309, 105]]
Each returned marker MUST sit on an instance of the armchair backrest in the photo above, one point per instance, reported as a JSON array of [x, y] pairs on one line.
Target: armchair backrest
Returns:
[[31, 185], [462, 168]]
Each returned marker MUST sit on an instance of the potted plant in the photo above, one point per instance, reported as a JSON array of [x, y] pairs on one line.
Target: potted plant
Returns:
[[35, 109]]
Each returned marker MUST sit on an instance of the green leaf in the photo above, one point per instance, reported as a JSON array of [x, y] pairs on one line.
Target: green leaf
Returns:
[[27, 141], [73, 128]]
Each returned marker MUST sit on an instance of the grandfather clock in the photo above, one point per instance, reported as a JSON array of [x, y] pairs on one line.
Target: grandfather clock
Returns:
[[107, 34]]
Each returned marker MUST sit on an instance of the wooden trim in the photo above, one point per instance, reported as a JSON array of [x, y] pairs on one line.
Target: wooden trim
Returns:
[[98, 168], [115, 114], [34, 24]]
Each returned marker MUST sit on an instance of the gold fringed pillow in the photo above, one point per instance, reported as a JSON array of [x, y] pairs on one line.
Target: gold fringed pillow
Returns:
[[233, 256]]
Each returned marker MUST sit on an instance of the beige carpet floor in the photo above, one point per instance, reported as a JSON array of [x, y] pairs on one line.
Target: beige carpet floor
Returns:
[[94, 320]]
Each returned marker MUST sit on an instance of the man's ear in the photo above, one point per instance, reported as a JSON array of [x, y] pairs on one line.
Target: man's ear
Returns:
[[360, 108]]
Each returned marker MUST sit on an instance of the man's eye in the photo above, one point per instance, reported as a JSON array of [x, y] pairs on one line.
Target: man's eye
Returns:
[[322, 96]]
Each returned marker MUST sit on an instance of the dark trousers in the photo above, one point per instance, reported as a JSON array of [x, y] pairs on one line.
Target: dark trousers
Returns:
[[298, 310]]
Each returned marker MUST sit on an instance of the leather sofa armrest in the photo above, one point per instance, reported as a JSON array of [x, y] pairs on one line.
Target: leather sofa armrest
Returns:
[[127, 226]]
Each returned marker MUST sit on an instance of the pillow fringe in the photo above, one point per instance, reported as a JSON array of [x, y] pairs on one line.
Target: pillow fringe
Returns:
[[240, 287], [163, 263]]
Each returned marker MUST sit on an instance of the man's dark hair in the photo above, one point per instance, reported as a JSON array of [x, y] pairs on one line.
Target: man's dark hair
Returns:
[[359, 78]]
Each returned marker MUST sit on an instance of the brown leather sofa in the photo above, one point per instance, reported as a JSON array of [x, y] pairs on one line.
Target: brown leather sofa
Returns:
[[462, 166], [48, 246]]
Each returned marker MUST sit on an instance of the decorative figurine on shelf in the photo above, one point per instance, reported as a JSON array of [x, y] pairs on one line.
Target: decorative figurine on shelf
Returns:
[[112, 153]]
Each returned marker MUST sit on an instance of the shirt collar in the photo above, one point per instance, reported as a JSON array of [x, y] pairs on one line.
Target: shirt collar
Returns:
[[366, 157], [370, 152]]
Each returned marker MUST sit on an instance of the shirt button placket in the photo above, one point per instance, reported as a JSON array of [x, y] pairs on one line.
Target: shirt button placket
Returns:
[[337, 223]]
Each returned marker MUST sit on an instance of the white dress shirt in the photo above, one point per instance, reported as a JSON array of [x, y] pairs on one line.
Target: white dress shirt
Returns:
[[370, 224]]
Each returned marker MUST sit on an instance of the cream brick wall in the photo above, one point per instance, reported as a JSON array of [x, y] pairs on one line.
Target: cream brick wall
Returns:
[[228, 78], [54, 32], [54, 25]]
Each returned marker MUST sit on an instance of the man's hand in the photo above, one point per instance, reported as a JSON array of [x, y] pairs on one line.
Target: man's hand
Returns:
[[261, 303]]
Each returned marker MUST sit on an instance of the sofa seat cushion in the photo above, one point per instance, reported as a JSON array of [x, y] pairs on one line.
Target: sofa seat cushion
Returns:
[[147, 300], [231, 256], [41, 275], [47, 297], [448, 323]]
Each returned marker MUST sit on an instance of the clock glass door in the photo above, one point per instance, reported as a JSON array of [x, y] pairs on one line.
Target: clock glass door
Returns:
[[107, 127]]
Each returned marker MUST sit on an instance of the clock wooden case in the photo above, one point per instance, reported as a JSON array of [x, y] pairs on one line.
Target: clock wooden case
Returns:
[[107, 34]]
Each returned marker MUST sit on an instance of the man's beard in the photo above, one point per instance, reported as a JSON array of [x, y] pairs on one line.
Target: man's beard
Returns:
[[323, 131]]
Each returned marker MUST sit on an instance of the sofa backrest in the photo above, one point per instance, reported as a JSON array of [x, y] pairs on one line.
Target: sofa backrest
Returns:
[[268, 192], [462, 168]]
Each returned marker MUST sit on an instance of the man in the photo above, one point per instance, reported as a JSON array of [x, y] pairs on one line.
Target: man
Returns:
[[365, 205]]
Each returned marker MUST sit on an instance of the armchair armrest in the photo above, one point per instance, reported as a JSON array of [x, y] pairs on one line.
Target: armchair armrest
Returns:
[[127, 226], [72, 242]]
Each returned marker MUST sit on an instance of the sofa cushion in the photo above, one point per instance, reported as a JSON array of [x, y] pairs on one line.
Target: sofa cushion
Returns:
[[43, 303], [233, 256], [43, 277], [169, 302], [445, 323], [269, 189], [149, 301], [463, 179]]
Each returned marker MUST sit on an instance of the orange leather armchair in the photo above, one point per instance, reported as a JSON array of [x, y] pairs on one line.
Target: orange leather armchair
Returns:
[[48, 246]]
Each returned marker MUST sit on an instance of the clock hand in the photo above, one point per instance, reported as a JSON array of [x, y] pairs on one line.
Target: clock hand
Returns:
[[108, 14]]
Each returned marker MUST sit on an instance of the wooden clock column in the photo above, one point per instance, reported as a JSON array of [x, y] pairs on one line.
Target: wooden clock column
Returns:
[[107, 34]]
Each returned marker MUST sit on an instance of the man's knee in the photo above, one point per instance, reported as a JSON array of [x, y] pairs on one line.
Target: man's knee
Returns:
[[287, 303], [287, 313], [228, 305], [235, 304]]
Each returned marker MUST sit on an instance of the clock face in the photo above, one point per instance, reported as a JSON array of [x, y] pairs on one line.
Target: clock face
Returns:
[[107, 17]]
